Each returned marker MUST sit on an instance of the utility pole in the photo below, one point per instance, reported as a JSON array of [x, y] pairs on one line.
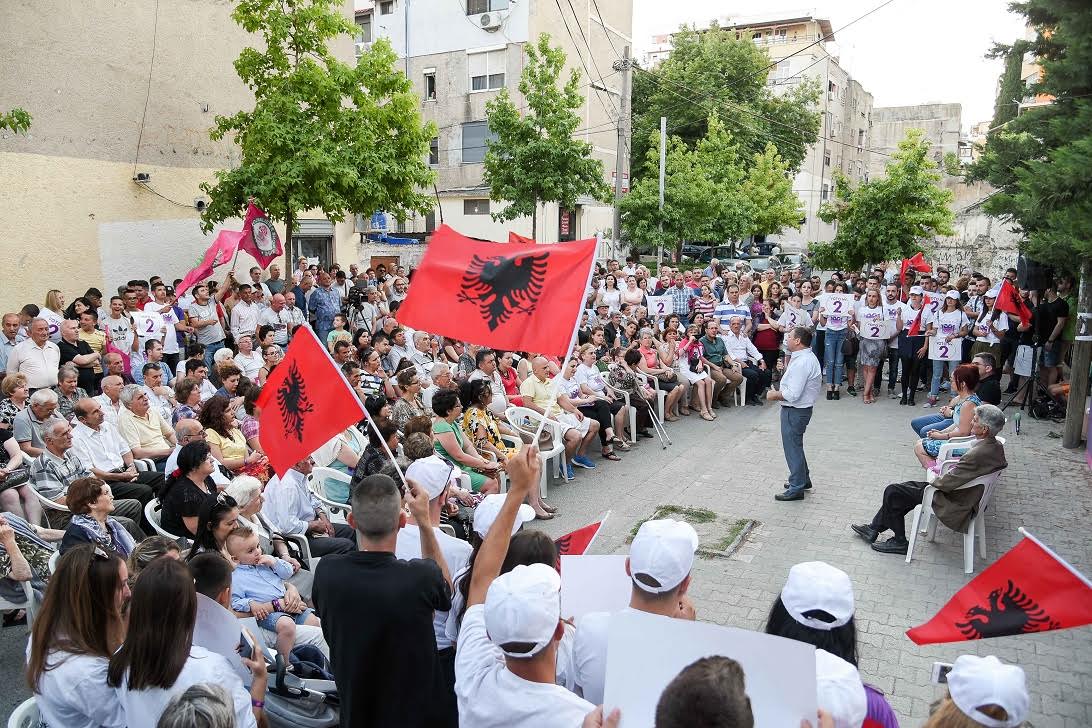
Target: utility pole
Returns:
[[663, 164], [624, 66], [1082, 356]]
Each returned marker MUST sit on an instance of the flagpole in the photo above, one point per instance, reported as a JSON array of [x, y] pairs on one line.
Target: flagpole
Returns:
[[1055, 556], [367, 415], [565, 356], [602, 522]]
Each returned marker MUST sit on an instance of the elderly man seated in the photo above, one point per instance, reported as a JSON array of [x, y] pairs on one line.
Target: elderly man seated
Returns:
[[293, 509], [954, 507], [540, 395], [185, 432], [149, 437], [28, 424], [58, 467]]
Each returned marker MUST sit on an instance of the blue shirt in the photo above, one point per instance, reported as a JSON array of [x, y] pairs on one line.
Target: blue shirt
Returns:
[[680, 297], [726, 311], [259, 583], [325, 304], [5, 349]]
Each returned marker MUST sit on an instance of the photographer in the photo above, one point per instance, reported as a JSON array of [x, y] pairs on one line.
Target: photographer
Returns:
[[361, 309]]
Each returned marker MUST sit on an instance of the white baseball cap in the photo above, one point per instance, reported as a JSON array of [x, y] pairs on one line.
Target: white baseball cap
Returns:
[[952, 294], [975, 682], [816, 585], [433, 474], [916, 291], [662, 550], [992, 293], [839, 690], [487, 511], [524, 606]]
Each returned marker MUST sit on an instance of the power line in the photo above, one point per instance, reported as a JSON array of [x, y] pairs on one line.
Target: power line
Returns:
[[606, 32], [148, 90], [581, 55]]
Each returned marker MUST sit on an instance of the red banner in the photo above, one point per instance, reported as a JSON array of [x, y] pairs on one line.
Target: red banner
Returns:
[[516, 297], [219, 253], [575, 543], [305, 401], [517, 238], [1009, 301], [1029, 589], [260, 238], [917, 262]]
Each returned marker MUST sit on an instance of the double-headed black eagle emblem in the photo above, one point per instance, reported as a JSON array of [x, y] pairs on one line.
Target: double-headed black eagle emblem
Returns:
[[1010, 612], [293, 403], [503, 286]]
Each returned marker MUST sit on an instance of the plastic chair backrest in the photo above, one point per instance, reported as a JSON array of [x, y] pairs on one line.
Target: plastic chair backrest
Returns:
[[154, 515], [26, 715]]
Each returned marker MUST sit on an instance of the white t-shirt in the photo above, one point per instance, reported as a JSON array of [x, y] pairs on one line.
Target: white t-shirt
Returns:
[[54, 319], [948, 323], [74, 694], [491, 696], [249, 365], [591, 377], [142, 708], [170, 318], [892, 311], [119, 331], [456, 553], [984, 321], [909, 315], [589, 656]]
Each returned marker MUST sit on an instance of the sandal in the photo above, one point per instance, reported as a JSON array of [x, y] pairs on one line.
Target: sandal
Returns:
[[707, 417], [609, 455], [620, 443]]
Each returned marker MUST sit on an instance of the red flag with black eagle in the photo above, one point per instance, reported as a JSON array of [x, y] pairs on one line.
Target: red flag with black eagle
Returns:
[[1009, 301], [260, 238], [577, 543], [513, 296], [917, 262], [305, 401], [1029, 589]]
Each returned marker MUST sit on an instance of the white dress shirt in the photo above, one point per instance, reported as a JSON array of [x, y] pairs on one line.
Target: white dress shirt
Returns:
[[739, 347], [802, 380], [289, 505], [101, 449], [109, 409], [244, 319]]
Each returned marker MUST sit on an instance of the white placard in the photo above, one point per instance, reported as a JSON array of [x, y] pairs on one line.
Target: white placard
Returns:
[[148, 325], [1021, 365], [593, 583], [646, 651], [942, 350], [660, 305], [874, 325]]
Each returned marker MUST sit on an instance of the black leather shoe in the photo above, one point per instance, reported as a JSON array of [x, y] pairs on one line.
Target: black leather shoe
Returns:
[[837, 394], [786, 486], [830, 394], [903, 400], [867, 532], [910, 402], [644, 433], [891, 546], [786, 496]]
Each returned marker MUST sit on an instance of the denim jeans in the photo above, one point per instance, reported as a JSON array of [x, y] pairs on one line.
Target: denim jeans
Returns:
[[833, 357], [938, 372], [794, 421], [922, 425], [210, 352]]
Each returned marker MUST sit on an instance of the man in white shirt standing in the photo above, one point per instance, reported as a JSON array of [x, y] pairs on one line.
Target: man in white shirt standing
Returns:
[[256, 282], [163, 307], [279, 317], [659, 563], [244, 315], [800, 386], [506, 662]]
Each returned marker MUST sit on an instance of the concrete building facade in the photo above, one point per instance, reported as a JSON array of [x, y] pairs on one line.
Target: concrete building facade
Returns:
[[105, 107], [845, 107], [460, 53], [940, 122]]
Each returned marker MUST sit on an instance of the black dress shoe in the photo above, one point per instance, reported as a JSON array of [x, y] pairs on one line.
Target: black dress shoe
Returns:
[[837, 394], [903, 400], [891, 546], [644, 433], [867, 532], [910, 402], [786, 486], [830, 394], [787, 496]]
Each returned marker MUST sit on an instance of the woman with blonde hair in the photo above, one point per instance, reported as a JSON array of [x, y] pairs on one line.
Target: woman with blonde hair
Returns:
[[53, 313], [973, 680]]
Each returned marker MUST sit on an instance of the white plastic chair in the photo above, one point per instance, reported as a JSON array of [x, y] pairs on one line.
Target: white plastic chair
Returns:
[[632, 412], [526, 420], [53, 562], [977, 526], [144, 464], [48, 505], [945, 457], [317, 483], [25, 715], [661, 396], [153, 512], [31, 604]]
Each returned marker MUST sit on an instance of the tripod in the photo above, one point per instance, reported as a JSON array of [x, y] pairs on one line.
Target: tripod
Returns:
[[1031, 386]]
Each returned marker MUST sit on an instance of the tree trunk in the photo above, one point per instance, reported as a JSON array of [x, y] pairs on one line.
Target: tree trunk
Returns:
[[1081, 356], [534, 221], [289, 264]]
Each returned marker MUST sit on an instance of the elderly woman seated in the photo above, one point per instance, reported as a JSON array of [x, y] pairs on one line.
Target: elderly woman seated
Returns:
[[24, 557], [455, 447], [91, 502], [226, 441], [954, 505]]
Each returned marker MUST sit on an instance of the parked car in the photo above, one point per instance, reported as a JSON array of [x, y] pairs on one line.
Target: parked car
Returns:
[[720, 252], [694, 250]]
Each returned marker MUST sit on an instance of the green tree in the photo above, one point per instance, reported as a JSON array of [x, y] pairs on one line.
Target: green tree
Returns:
[[710, 72], [17, 120], [717, 158], [768, 188], [322, 134], [1010, 89], [534, 158], [888, 218]]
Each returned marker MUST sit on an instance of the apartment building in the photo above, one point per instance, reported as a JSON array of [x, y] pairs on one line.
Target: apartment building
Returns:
[[845, 105], [941, 124], [460, 53]]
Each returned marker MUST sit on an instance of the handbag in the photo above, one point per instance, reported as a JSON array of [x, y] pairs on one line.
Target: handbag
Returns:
[[850, 345]]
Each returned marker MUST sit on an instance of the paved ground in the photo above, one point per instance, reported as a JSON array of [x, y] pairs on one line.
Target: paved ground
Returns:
[[735, 465]]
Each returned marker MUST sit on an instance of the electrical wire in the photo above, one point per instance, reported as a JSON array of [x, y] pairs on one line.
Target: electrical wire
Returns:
[[606, 32], [606, 108], [148, 90], [155, 192]]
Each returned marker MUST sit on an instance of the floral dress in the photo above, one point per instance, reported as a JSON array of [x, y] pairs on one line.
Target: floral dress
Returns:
[[8, 410], [66, 405], [479, 417]]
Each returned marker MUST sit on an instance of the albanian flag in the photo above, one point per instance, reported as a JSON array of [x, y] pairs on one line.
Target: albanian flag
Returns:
[[305, 401], [260, 238], [1029, 589], [513, 296], [517, 238], [219, 253], [1009, 301], [576, 543], [917, 262]]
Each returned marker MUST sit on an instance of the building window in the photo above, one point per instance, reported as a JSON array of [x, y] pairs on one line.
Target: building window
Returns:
[[826, 192], [364, 29], [476, 207], [486, 70], [386, 7], [826, 159], [757, 37], [476, 7], [434, 151], [430, 221], [781, 35], [430, 85], [476, 135], [780, 73]]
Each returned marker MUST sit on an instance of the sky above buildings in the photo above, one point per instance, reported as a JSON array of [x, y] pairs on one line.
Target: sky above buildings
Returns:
[[908, 52]]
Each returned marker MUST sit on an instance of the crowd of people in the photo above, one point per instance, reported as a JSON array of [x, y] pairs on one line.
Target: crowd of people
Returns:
[[130, 453]]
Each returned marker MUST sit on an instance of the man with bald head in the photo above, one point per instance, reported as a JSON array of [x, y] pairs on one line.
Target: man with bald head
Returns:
[[115, 366], [279, 316], [185, 432], [540, 395]]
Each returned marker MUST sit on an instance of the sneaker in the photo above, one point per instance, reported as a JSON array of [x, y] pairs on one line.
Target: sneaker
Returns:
[[931, 403], [581, 461], [851, 391], [569, 474]]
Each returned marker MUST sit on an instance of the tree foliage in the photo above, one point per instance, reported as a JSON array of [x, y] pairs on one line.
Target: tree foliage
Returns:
[[534, 158], [888, 218], [17, 120], [768, 188], [1010, 89], [1041, 160], [710, 73], [322, 134]]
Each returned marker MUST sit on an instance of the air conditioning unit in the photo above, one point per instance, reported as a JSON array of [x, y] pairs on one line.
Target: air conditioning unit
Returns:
[[492, 21]]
